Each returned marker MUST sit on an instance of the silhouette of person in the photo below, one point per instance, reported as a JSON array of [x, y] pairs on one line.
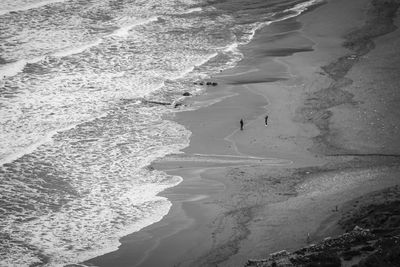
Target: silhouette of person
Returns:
[[266, 120], [241, 124]]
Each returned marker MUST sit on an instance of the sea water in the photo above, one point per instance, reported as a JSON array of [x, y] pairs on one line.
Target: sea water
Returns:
[[77, 135]]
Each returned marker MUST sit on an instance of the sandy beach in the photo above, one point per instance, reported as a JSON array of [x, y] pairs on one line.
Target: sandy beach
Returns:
[[328, 81]]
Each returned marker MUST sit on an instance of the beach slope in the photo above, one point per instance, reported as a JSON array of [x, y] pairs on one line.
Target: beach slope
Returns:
[[327, 80]]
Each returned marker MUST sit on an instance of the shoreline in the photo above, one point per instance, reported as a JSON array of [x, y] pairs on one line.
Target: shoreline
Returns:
[[234, 181]]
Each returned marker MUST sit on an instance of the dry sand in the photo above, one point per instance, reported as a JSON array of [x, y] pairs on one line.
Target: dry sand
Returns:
[[249, 193]]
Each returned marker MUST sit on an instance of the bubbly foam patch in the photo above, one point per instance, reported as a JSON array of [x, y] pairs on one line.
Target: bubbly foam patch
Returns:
[[73, 199]]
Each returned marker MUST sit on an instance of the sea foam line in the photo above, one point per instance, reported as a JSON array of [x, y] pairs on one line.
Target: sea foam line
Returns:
[[31, 6], [299, 8], [45, 139], [189, 70], [12, 69], [31, 148], [75, 50], [124, 30], [304, 6], [192, 10]]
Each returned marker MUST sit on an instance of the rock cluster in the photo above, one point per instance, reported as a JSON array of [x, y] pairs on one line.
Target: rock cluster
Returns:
[[206, 83]]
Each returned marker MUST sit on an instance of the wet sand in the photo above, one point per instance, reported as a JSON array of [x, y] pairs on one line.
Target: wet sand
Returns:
[[332, 136]]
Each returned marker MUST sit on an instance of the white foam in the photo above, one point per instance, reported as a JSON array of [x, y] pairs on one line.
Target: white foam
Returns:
[[200, 62], [256, 28], [196, 198], [41, 140], [122, 198], [100, 243], [12, 69], [26, 6], [75, 50], [300, 8], [192, 10], [232, 47], [124, 30]]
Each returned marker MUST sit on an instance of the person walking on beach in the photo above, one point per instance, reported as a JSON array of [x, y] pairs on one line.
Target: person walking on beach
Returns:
[[266, 120], [241, 124]]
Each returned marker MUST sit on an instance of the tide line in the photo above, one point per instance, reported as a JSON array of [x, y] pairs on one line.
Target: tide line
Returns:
[[223, 159]]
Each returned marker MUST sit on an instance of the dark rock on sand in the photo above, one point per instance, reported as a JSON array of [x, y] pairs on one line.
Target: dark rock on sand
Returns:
[[186, 94], [206, 83], [144, 101], [177, 105]]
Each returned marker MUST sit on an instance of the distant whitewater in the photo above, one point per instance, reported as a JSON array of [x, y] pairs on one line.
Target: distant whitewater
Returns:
[[76, 137]]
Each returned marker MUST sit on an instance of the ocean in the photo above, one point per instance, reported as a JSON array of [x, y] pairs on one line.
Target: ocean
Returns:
[[78, 131]]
